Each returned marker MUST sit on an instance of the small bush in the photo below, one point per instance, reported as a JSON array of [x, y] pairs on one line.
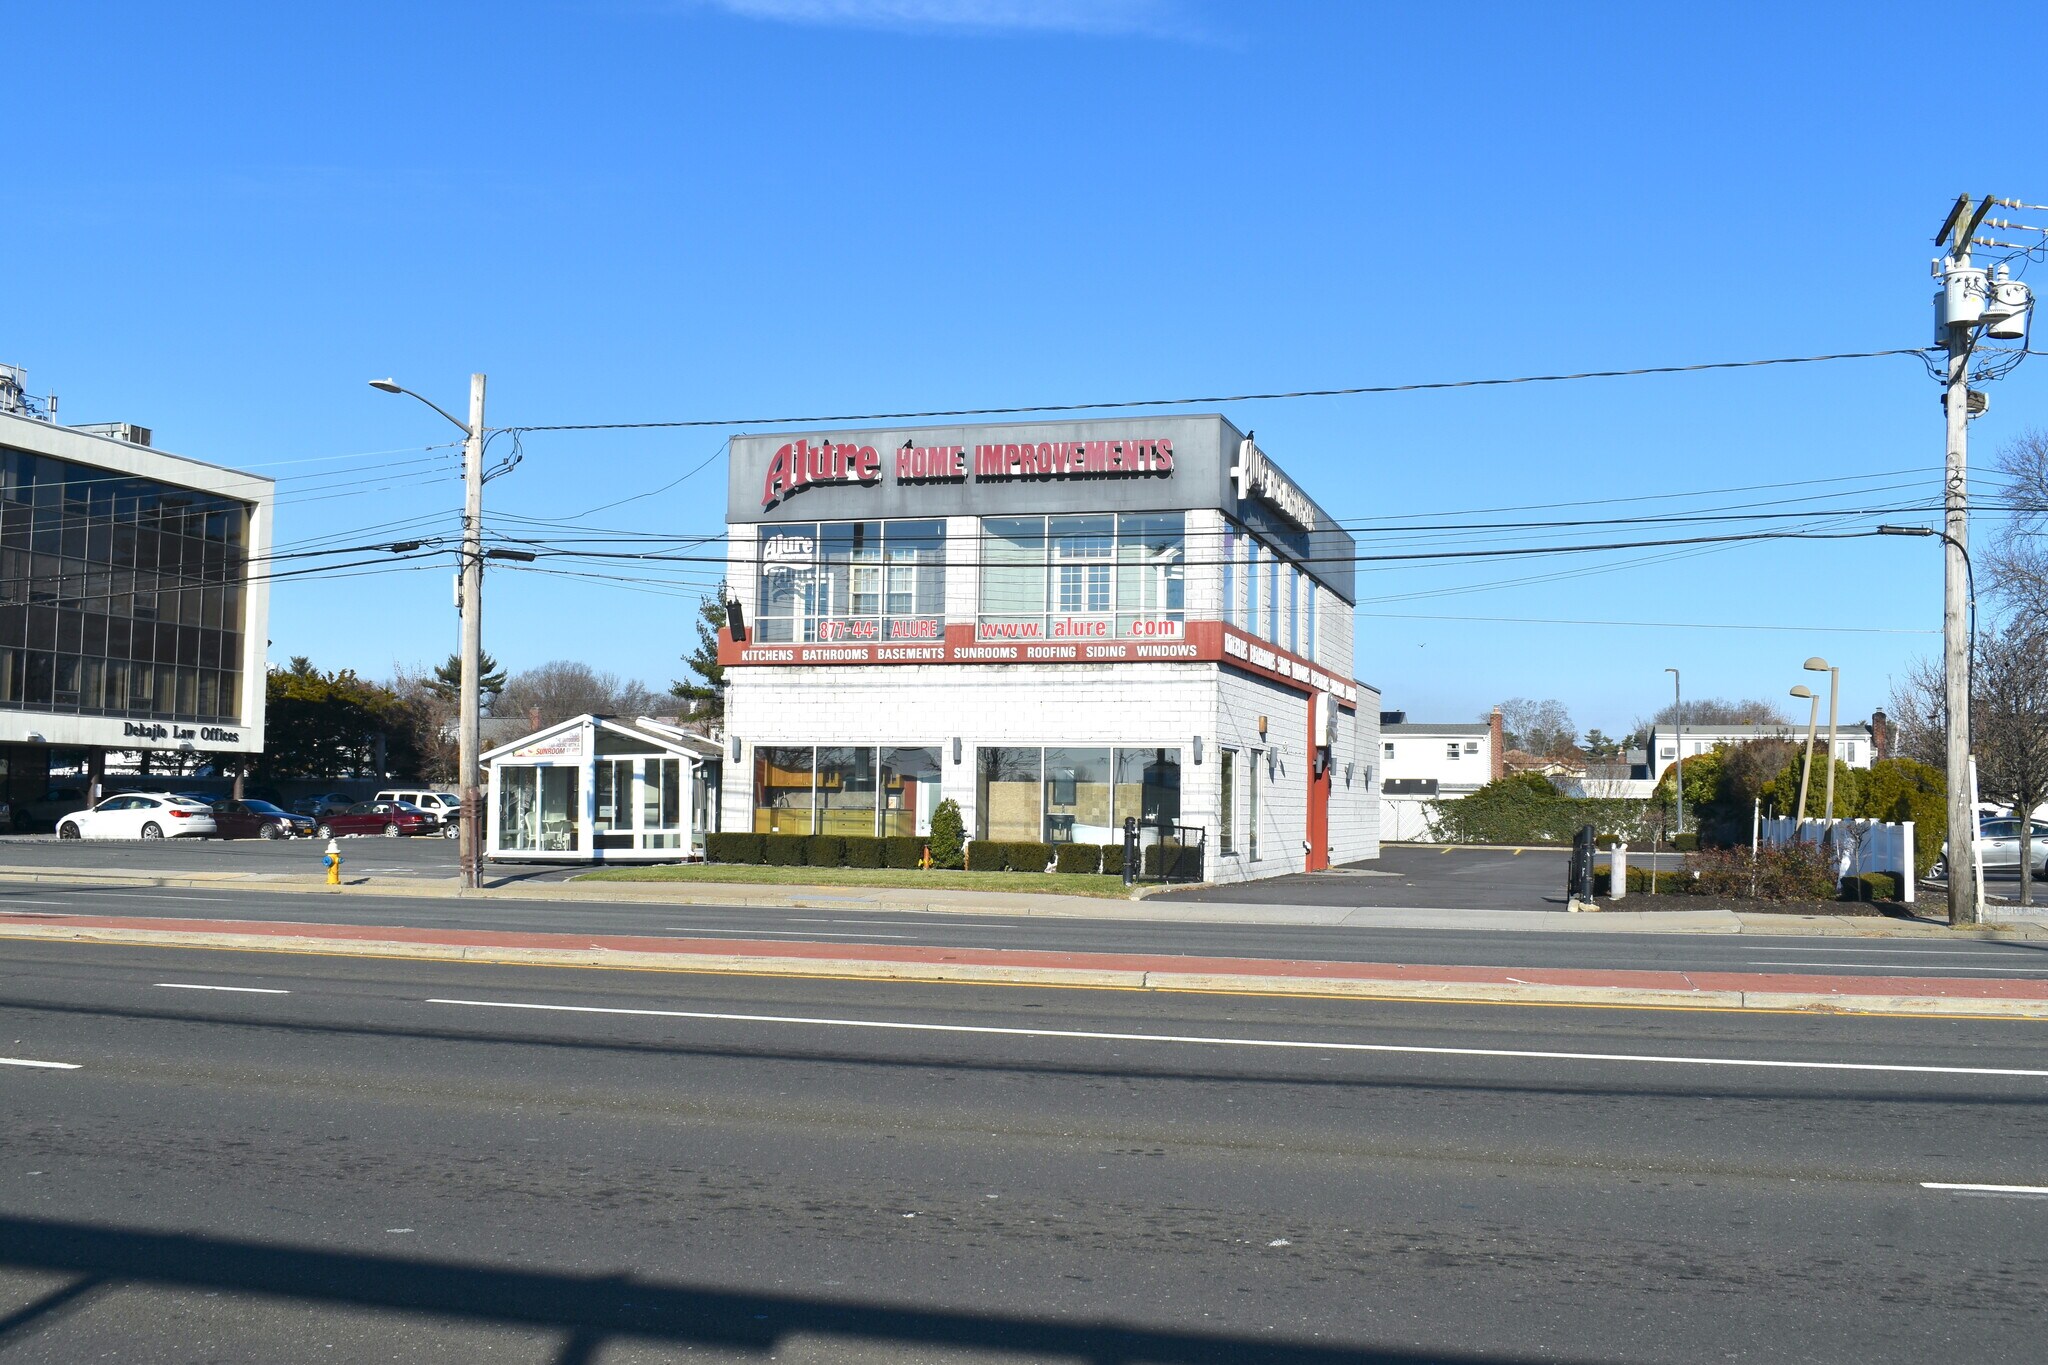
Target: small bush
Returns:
[[1667, 883], [1687, 842], [826, 850], [1871, 886], [1787, 872], [1174, 862], [984, 855], [902, 850], [1028, 855], [1078, 858], [785, 850], [862, 850], [949, 835], [732, 848], [1113, 859]]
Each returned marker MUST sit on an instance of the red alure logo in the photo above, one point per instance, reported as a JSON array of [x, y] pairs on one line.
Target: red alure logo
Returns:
[[801, 464]]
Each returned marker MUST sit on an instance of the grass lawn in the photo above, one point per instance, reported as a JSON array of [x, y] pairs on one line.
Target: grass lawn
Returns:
[[1056, 883]]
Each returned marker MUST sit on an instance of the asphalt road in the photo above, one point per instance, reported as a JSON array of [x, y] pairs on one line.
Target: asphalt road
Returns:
[[402, 1161], [1944, 956]]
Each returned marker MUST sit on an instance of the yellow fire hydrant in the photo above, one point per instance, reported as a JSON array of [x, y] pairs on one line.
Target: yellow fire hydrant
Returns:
[[331, 859]]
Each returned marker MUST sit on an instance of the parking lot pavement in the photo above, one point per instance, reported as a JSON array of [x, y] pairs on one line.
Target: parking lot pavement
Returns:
[[1409, 875], [412, 857]]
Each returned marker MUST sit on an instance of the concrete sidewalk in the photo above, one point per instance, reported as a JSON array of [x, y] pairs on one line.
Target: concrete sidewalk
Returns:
[[1978, 997], [1026, 904]]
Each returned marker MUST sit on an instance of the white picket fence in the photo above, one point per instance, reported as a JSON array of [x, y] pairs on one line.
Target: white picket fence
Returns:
[[1860, 845]]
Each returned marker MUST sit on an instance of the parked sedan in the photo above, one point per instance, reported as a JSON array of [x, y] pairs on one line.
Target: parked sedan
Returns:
[[389, 818], [317, 806], [258, 820], [1998, 841], [136, 815]]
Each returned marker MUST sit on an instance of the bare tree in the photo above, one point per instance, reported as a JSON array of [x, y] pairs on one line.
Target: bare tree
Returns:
[[1918, 711], [2015, 567], [2009, 726], [1543, 728], [565, 688], [1720, 711]]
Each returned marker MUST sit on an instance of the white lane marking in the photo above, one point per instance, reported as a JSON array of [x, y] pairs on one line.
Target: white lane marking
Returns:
[[23, 900], [44, 1066], [1285, 1043], [244, 990], [2035, 1191], [1909, 966], [157, 896], [769, 933], [1917, 952]]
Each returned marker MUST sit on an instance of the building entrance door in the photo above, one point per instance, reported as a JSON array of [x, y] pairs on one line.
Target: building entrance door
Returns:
[[1318, 790]]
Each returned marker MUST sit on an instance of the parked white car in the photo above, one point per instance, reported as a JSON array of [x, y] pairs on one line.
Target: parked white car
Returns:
[[136, 815], [446, 805]]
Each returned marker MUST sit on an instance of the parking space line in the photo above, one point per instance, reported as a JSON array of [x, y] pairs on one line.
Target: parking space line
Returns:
[[40, 1066], [2024, 1191]]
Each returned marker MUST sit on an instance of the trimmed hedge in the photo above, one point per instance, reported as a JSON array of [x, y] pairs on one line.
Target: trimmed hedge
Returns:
[[785, 850], [901, 850], [862, 850], [1113, 860], [1078, 858], [825, 850], [732, 848], [998, 855], [1029, 855], [1174, 862], [1688, 842], [1872, 886], [986, 855]]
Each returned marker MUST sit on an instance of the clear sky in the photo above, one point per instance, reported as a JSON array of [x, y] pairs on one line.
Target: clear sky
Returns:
[[222, 218]]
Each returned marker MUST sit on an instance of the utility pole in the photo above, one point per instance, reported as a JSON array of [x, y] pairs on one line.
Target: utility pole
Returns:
[[1958, 307], [470, 742]]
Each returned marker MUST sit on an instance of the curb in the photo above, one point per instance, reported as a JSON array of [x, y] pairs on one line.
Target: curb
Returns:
[[967, 973]]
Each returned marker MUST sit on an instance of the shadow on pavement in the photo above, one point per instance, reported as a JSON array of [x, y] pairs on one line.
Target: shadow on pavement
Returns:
[[590, 1311]]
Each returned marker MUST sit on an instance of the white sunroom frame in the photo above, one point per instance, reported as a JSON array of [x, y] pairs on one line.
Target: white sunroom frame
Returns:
[[573, 744]]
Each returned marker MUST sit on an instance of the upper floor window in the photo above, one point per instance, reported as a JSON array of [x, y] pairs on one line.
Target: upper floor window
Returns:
[[1098, 576], [865, 581]]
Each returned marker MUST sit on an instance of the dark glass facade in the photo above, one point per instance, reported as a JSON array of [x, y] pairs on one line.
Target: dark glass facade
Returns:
[[119, 596]]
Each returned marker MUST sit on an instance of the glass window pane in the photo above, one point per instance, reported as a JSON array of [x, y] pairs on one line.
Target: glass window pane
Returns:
[[849, 582], [560, 813], [1226, 803], [782, 789], [915, 588], [1077, 797], [1006, 794], [1251, 807], [846, 791], [1148, 787], [1151, 586], [518, 821], [1012, 578], [910, 789], [1229, 612], [787, 583]]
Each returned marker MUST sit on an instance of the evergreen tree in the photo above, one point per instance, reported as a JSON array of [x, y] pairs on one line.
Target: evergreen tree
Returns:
[[446, 684], [708, 687]]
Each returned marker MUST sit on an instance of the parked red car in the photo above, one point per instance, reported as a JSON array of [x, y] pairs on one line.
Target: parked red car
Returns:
[[389, 818], [257, 820]]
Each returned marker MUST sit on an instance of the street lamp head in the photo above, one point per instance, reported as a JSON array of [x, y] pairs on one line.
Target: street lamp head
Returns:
[[388, 385], [1817, 664], [1671, 670], [1802, 691]]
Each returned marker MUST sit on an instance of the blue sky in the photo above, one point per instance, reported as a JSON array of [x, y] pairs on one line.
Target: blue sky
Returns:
[[224, 218]]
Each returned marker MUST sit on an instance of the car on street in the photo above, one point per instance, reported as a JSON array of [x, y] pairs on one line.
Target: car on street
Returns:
[[389, 818], [446, 805], [139, 815], [259, 820]]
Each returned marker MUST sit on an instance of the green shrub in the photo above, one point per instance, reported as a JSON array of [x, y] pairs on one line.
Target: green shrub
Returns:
[[1078, 858], [1174, 861], [826, 850], [1028, 855], [984, 855], [1667, 883], [1113, 859], [862, 850], [1871, 886], [949, 835], [1786, 872], [902, 850], [785, 850], [1526, 809], [1687, 842], [732, 848]]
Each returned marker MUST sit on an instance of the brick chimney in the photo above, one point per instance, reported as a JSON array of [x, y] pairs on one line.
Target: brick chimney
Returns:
[[1880, 736], [533, 717], [1497, 746]]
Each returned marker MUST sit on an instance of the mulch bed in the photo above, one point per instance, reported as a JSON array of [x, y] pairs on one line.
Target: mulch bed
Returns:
[[1664, 900]]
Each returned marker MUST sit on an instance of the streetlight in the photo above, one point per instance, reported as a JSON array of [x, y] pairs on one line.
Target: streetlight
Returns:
[[1806, 772], [1820, 665], [469, 732], [1678, 713]]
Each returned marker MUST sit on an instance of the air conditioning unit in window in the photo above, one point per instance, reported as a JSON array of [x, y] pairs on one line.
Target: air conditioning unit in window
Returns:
[[1471, 746]]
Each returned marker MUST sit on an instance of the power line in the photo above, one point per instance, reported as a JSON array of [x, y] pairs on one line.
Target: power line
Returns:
[[1353, 391], [1662, 625]]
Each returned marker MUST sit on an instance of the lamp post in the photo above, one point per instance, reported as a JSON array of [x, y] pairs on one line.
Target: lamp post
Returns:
[[1806, 772], [1678, 719], [1820, 665], [470, 727]]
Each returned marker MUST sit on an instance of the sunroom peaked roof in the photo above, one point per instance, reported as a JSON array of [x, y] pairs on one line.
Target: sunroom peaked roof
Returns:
[[642, 731]]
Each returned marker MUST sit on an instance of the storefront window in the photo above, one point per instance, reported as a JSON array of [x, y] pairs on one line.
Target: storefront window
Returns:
[[1077, 797], [1230, 574], [1252, 551], [1274, 568], [853, 582], [1251, 808], [782, 789], [537, 809], [1226, 803], [1006, 795], [561, 814], [846, 791], [910, 790], [1293, 609], [518, 802], [1308, 643], [1083, 577], [1148, 787]]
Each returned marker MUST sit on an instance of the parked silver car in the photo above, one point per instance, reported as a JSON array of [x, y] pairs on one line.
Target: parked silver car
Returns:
[[1998, 836]]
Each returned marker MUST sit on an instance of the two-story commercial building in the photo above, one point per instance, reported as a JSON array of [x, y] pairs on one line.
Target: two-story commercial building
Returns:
[[129, 619], [1059, 625]]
